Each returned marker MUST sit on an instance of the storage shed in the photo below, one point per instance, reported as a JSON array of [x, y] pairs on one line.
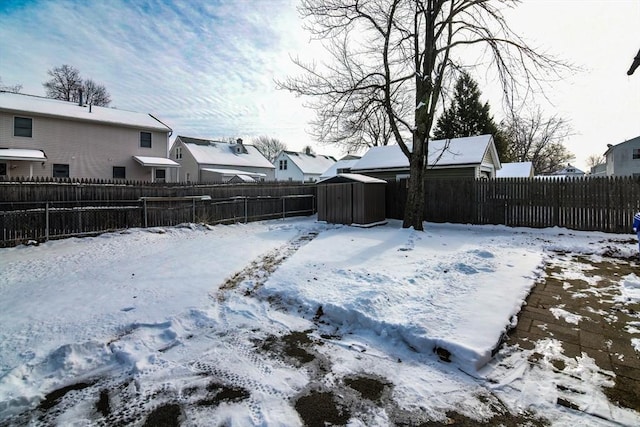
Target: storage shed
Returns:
[[349, 198]]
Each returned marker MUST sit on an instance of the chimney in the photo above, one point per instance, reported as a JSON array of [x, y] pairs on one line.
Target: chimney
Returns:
[[307, 150], [80, 97]]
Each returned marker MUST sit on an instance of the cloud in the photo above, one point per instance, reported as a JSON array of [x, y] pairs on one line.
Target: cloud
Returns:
[[207, 68]]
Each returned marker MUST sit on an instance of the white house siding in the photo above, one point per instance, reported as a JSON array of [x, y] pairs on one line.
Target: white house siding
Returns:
[[90, 149], [189, 170], [620, 161], [291, 173]]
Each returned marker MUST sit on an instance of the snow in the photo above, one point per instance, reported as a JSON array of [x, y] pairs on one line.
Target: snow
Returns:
[[340, 164], [158, 313], [22, 154], [155, 161], [309, 163], [52, 107], [515, 170], [223, 154], [456, 151], [354, 177]]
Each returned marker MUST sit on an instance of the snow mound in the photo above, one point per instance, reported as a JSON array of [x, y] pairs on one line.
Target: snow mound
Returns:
[[426, 290]]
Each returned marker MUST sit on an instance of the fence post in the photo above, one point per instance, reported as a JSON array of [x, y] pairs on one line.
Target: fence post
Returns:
[[46, 222], [283, 208], [193, 210], [144, 203], [246, 212]]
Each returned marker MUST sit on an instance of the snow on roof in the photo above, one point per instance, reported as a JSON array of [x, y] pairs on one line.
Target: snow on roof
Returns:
[[244, 178], [35, 105], [233, 172], [208, 152], [515, 170], [156, 161], [343, 177], [340, 164], [442, 152], [311, 163], [22, 154]]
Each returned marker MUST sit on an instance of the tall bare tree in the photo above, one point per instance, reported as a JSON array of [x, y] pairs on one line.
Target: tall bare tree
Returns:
[[66, 84], [399, 56], [268, 146], [595, 160], [533, 138]]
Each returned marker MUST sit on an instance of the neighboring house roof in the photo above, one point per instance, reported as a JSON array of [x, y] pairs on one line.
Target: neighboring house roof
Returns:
[[36, 105], [234, 172], [611, 147], [569, 170], [339, 165], [210, 152], [515, 170], [442, 152], [313, 164]]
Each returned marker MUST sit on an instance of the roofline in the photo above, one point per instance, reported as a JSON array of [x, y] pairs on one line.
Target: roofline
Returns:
[[79, 119]]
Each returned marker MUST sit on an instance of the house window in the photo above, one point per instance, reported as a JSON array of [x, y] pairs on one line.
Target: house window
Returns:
[[178, 153], [119, 172], [160, 175], [22, 126], [145, 139], [3, 169], [283, 165], [60, 171], [636, 153]]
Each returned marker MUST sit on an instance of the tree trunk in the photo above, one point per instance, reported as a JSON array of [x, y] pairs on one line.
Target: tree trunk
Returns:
[[414, 209]]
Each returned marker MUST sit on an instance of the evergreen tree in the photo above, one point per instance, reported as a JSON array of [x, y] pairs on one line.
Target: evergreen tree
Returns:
[[467, 116]]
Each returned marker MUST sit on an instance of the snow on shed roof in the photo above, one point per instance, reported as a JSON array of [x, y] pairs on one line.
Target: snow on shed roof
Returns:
[[442, 152], [347, 177], [36, 105], [515, 170], [311, 163], [209, 152]]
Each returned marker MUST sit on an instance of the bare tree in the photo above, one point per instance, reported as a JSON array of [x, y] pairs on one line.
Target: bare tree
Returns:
[[399, 56], [66, 84], [534, 138], [595, 160], [95, 94], [10, 88], [268, 146]]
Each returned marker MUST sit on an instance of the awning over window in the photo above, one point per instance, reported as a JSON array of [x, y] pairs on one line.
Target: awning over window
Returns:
[[156, 162], [22, 154]]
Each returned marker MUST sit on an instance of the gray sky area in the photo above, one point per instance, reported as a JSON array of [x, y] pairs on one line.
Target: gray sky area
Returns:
[[207, 68]]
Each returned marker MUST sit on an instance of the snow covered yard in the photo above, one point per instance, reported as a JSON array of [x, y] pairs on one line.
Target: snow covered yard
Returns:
[[281, 323]]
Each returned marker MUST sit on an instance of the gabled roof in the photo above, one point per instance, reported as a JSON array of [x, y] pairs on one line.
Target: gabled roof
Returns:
[[351, 177], [310, 163], [632, 141], [210, 152], [35, 105], [515, 170], [340, 164], [442, 152], [569, 170]]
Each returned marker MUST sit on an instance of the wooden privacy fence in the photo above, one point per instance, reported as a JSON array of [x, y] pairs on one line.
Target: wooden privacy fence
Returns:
[[40, 221], [592, 204], [42, 209]]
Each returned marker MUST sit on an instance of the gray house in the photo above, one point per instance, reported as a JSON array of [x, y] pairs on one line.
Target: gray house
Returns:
[[623, 159], [205, 160], [42, 137], [469, 157]]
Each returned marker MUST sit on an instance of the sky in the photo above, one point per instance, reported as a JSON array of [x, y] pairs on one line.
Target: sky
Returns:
[[208, 68], [277, 310]]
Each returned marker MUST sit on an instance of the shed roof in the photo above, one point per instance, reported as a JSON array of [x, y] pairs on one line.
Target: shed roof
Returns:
[[36, 105], [442, 152], [351, 177]]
